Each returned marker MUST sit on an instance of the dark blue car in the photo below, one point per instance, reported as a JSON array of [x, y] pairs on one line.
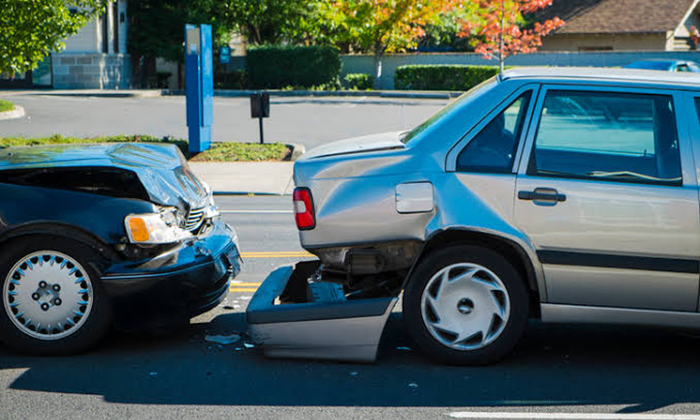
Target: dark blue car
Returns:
[[92, 236]]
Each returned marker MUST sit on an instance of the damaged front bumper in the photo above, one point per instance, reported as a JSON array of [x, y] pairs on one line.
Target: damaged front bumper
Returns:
[[177, 285], [291, 315]]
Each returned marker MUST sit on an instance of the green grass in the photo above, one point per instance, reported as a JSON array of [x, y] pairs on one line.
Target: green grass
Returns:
[[219, 152], [6, 105]]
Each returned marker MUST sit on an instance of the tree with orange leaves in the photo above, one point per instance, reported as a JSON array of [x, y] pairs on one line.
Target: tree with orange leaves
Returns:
[[496, 26], [381, 26]]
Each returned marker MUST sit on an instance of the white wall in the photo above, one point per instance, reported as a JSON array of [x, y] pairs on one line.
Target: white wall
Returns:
[[86, 40]]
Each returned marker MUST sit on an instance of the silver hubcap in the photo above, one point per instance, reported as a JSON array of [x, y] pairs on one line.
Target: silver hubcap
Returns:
[[465, 306], [48, 295]]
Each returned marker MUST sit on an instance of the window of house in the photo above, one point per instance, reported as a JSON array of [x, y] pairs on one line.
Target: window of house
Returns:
[[493, 149], [607, 136]]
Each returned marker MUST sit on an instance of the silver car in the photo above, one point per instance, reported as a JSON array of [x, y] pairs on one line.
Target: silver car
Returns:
[[563, 194]]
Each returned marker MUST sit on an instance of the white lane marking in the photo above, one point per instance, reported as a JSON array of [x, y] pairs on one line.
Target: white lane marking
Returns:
[[570, 416], [256, 212]]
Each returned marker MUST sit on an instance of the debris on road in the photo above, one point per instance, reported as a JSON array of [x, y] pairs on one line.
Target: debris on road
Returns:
[[353, 373], [404, 348], [413, 385], [248, 345], [223, 339], [153, 374]]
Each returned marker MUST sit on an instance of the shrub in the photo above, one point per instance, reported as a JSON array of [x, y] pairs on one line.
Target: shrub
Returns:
[[441, 77], [235, 79], [359, 81], [277, 67]]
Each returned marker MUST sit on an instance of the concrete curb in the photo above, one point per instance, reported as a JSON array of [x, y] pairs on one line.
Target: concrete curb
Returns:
[[18, 112], [391, 94]]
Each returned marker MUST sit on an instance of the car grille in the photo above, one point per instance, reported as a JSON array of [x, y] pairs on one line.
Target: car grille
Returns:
[[194, 219]]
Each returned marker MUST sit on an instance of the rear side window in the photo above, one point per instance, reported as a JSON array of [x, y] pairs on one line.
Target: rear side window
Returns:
[[493, 149], [607, 136]]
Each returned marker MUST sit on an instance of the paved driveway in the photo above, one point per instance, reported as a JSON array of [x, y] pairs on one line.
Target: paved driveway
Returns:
[[302, 120]]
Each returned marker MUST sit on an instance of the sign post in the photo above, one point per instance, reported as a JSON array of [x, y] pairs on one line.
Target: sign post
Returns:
[[260, 108], [199, 86]]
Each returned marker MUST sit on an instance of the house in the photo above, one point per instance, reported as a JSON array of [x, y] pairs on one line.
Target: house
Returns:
[[94, 58], [621, 25]]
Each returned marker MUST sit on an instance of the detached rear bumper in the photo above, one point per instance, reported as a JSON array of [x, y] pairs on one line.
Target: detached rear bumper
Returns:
[[290, 316], [176, 286]]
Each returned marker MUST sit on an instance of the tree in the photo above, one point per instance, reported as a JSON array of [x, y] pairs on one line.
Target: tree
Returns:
[[31, 29], [380, 26], [269, 21], [498, 27], [157, 29]]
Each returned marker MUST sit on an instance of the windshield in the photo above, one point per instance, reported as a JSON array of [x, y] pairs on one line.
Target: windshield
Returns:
[[475, 91]]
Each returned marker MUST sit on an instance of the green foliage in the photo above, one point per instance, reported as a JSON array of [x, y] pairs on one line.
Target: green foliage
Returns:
[[276, 67], [226, 79], [31, 29], [443, 34], [157, 27], [272, 21], [6, 106], [359, 81], [441, 77], [220, 152]]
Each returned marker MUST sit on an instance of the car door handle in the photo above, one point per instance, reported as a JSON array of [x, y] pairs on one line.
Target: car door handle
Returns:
[[548, 195]]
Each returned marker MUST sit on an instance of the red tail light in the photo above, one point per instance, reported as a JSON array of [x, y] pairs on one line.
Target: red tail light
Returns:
[[304, 209]]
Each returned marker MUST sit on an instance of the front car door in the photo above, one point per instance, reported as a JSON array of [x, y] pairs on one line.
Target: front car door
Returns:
[[607, 192]]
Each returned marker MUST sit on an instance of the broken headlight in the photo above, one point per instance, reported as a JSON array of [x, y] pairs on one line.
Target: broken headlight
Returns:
[[156, 228]]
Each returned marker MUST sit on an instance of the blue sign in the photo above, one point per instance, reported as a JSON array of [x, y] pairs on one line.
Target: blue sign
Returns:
[[225, 55], [199, 86]]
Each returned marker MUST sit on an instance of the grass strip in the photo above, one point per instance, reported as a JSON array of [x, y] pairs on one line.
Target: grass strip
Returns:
[[219, 152]]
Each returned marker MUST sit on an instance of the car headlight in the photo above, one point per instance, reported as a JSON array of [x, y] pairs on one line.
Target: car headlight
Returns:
[[156, 228]]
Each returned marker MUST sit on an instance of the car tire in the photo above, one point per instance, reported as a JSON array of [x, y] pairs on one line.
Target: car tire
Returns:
[[51, 298], [465, 305]]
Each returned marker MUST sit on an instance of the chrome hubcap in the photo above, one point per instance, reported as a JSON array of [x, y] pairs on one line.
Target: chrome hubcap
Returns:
[[48, 295], [465, 306]]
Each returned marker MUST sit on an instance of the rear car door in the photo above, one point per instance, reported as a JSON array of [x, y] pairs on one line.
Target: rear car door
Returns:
[[607, 192]]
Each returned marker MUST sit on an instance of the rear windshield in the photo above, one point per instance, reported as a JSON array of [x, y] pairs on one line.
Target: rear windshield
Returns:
[[466, 96]]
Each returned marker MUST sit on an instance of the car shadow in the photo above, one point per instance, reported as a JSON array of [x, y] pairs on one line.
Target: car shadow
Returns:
[[642, 369]]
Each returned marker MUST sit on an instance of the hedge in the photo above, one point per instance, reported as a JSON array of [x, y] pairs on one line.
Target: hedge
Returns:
[[359, 81], [441, 77], [279, 67]]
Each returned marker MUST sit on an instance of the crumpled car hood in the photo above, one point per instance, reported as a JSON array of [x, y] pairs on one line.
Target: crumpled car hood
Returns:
[[162, 169], [373, 142]]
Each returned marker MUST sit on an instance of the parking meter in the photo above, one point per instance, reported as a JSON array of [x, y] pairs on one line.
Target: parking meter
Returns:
[[199, 86], [260, 108]]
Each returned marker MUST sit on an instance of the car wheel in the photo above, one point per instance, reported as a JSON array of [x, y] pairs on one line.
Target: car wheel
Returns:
[[465, 305], [51, 296]]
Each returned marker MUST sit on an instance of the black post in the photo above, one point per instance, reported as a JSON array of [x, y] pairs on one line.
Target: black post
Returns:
[[260, 119]]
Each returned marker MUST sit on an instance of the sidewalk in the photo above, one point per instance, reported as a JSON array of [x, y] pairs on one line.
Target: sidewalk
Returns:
[[243, 178]]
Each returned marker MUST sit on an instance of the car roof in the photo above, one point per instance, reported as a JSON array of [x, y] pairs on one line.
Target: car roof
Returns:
[[604, 74]]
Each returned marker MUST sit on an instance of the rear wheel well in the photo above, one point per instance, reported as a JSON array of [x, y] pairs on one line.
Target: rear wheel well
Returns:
[[511, 251]]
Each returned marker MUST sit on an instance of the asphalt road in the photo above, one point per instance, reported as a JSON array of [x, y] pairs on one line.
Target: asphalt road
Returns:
[[301, 120], [567, 372]]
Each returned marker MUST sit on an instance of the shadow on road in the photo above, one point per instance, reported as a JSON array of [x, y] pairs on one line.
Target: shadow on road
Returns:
[[555, 365]]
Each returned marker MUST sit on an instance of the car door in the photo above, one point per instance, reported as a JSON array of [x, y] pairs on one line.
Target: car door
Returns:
[[607, 192]]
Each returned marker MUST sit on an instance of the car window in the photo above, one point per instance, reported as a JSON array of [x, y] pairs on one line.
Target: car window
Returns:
[[494, 148], [607, 136], [471, 94], [683, 67]]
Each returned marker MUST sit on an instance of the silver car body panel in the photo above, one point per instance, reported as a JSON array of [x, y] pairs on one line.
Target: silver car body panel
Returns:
[[578, 314]]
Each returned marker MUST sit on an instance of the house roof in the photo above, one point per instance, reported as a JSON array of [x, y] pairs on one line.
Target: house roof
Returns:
[[617, 16]]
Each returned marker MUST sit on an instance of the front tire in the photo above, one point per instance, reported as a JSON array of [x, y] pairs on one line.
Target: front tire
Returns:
[[51, 298], [466, 305]]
